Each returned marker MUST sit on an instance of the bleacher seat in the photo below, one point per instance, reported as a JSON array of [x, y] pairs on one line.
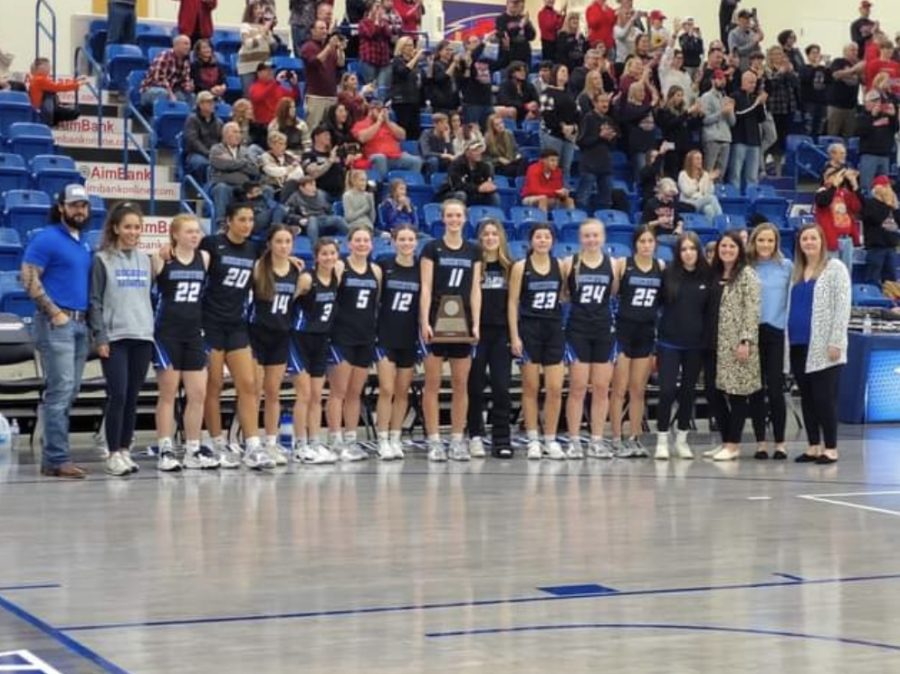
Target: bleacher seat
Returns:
[[867, 295], [51, 173], [432, 215], [694, 220], [561, 216], [409, 177], [13, 173], [10, 249], [530, 152], [773, 208], [518, 249], [610, 217], [479, 213], [788, 242], [564, 249], [620, 234], [438, 179], [797, 221], [133, 87], [95, 40], [153, 52], [227, 42], [665, 253], [168, 121], [732, 201], [29, 140], [568, 231], [150, 36], [287, 63], [727, 221], [122, 59], [223, 111], [233, 89], [304, 250], [24, 210], [410, 146], [15, 107], [705, 233], [13, 298], [98, 211]]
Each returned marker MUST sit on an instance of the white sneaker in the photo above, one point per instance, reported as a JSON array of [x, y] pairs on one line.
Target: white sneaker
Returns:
[[710, 453], [115, 465], [459, 451], [552, 450], [662, 447], [600, 449], [436, 452], [276, 453], [326, 454], [575, 450], [534, 450], [353, 453], [397, 447], [476, 448], [126, 457], [230, 456], [203, 459], [726, 454], [682, 448], [385, 450], [258, 459], [307, 454], [167, 462]]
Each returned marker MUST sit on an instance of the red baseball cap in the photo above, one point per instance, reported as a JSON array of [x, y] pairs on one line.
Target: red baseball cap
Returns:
[[657, 15], [719, 74], [881, 181]]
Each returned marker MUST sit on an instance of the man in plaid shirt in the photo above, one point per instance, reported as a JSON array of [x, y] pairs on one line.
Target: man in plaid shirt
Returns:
[[169, 76], [376, 34]]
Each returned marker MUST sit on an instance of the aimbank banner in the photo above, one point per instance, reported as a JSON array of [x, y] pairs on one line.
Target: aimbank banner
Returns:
[[82, 132], [111, 181], [155, 233]]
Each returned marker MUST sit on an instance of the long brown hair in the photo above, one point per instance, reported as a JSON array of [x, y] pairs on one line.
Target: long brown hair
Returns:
[[497, 144], [283, 113], [800, 260], [504, 257], [114, 218], [264, 287]]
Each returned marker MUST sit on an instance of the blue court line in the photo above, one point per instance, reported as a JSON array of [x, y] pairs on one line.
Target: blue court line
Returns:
[[63, 640], [790, 577], [177, 622], [665, 626], [582, 590], [32, 586]]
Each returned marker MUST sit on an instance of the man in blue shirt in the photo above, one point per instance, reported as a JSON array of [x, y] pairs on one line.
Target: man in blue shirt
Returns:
[[56, 272]]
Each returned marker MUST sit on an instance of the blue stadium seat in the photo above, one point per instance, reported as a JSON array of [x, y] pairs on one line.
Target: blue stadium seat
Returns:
[[618, 249], [122, 59], [153, 52], [150, 36], [732, 201], [774, 209], [13, 298], [29, 140], [665, 253], [233, 89], [530, 152], [227, 42], [568, 232], [51, 173], [432, 215], [98, 211], [168, 121], [409, 177], [561, 216], [10, 249], [788, 242], [609, 217], [225, 63], [223, 111], [706, 233], [15, 107], [620, 234], [24, 210], [410, 147], [694, 220], [479, 213], [438, 179], [287, 63], [797, 221], [13, 173], [425, 120], [866, 295], [95, 40], [133, 86], [564, 249], [518, 249], [727, 221], [304, 250]]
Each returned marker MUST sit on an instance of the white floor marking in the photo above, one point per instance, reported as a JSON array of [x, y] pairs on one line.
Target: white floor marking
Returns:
[[858, 506]]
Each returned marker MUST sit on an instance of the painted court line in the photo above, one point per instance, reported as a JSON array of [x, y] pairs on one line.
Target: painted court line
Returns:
[[178, 622], [789, 576], [857, 506], [63, 640], [30, 586], [664, 626]]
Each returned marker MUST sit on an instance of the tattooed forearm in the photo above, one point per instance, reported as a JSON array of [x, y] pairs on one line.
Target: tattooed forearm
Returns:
[[31, 279]]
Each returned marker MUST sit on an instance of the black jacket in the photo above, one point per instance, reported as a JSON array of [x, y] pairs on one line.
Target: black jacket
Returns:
[[509, 96], [405, 83], [876, 136], [875, 216], [200, 134], [685, 299], [464, 178], [441, 89], [520, 37], [595, 151], [748, 118]]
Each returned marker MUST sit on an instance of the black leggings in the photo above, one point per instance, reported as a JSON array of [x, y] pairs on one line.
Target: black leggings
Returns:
[[783, 128], [669, 363], [492, 354], [734, 410], [771, 367], [818, 398], [125, 371], [408, 118], [715, 402]]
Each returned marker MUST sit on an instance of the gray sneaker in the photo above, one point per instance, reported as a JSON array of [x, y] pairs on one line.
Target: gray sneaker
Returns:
[[638, 451], [436, 452], [601, 449], [575, 450], [352, 453], [620, 449], [459, 451]]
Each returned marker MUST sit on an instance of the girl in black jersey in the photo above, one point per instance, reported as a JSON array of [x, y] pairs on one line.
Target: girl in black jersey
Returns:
[[275, 285], [398, 338], [590, 338], [352, 342], [492, 353], [451, 266], [640, 282], [179, 356], [536, 336], [687, 285], [227, 294], [314, 316]]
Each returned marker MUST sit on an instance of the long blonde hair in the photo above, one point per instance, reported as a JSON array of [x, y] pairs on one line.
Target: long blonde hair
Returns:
[[752, 256], [800, 261], [503, 254], [497, 144]]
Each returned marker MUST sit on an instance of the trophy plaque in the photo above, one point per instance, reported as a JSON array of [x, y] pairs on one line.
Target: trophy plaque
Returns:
[[451, 325]]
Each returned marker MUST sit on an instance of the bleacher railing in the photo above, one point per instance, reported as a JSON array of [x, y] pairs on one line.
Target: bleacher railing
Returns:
[[189, 181], [96, 88], [809, 169], [129, 137], [41, 28]]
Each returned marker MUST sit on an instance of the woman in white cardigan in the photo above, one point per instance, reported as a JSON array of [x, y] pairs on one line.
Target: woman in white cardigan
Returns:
[[816, 335], [696, 186]]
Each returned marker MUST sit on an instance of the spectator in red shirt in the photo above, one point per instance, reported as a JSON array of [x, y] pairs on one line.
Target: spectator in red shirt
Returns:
[[550, 22], [544, 183], [601, 18], [838, 205], [169, 76], [410, 13], [380, 139], [268, 90], [375, 36], [883, 63], [322, 60], [43, 89]]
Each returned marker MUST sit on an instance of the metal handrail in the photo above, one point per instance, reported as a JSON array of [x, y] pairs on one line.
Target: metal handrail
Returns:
[[39, 28], [190, 181], [96, 88], [150, 157], [816, 150]]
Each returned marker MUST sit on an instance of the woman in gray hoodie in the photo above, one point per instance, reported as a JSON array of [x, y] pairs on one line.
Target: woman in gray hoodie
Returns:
[[121, 320]]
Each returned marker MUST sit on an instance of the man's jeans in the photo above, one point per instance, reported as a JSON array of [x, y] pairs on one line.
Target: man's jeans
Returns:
[[328, 224], [405, 162], [871, 165], [153, 94], [744, 164], [196, 165], [122, 23], [63, 351], [594, 191]]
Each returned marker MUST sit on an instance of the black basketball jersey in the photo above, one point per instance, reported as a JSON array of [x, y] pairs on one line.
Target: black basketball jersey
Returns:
[[589, 290], [179, 313], [454, 271], [398, 316], [275, 314], [315, 310], [494, 293], [230, 278], [357, 305], [540, 294], [639, 292]]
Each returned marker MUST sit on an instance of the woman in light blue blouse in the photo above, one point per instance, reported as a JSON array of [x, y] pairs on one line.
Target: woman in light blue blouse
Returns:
[[774, 272]]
